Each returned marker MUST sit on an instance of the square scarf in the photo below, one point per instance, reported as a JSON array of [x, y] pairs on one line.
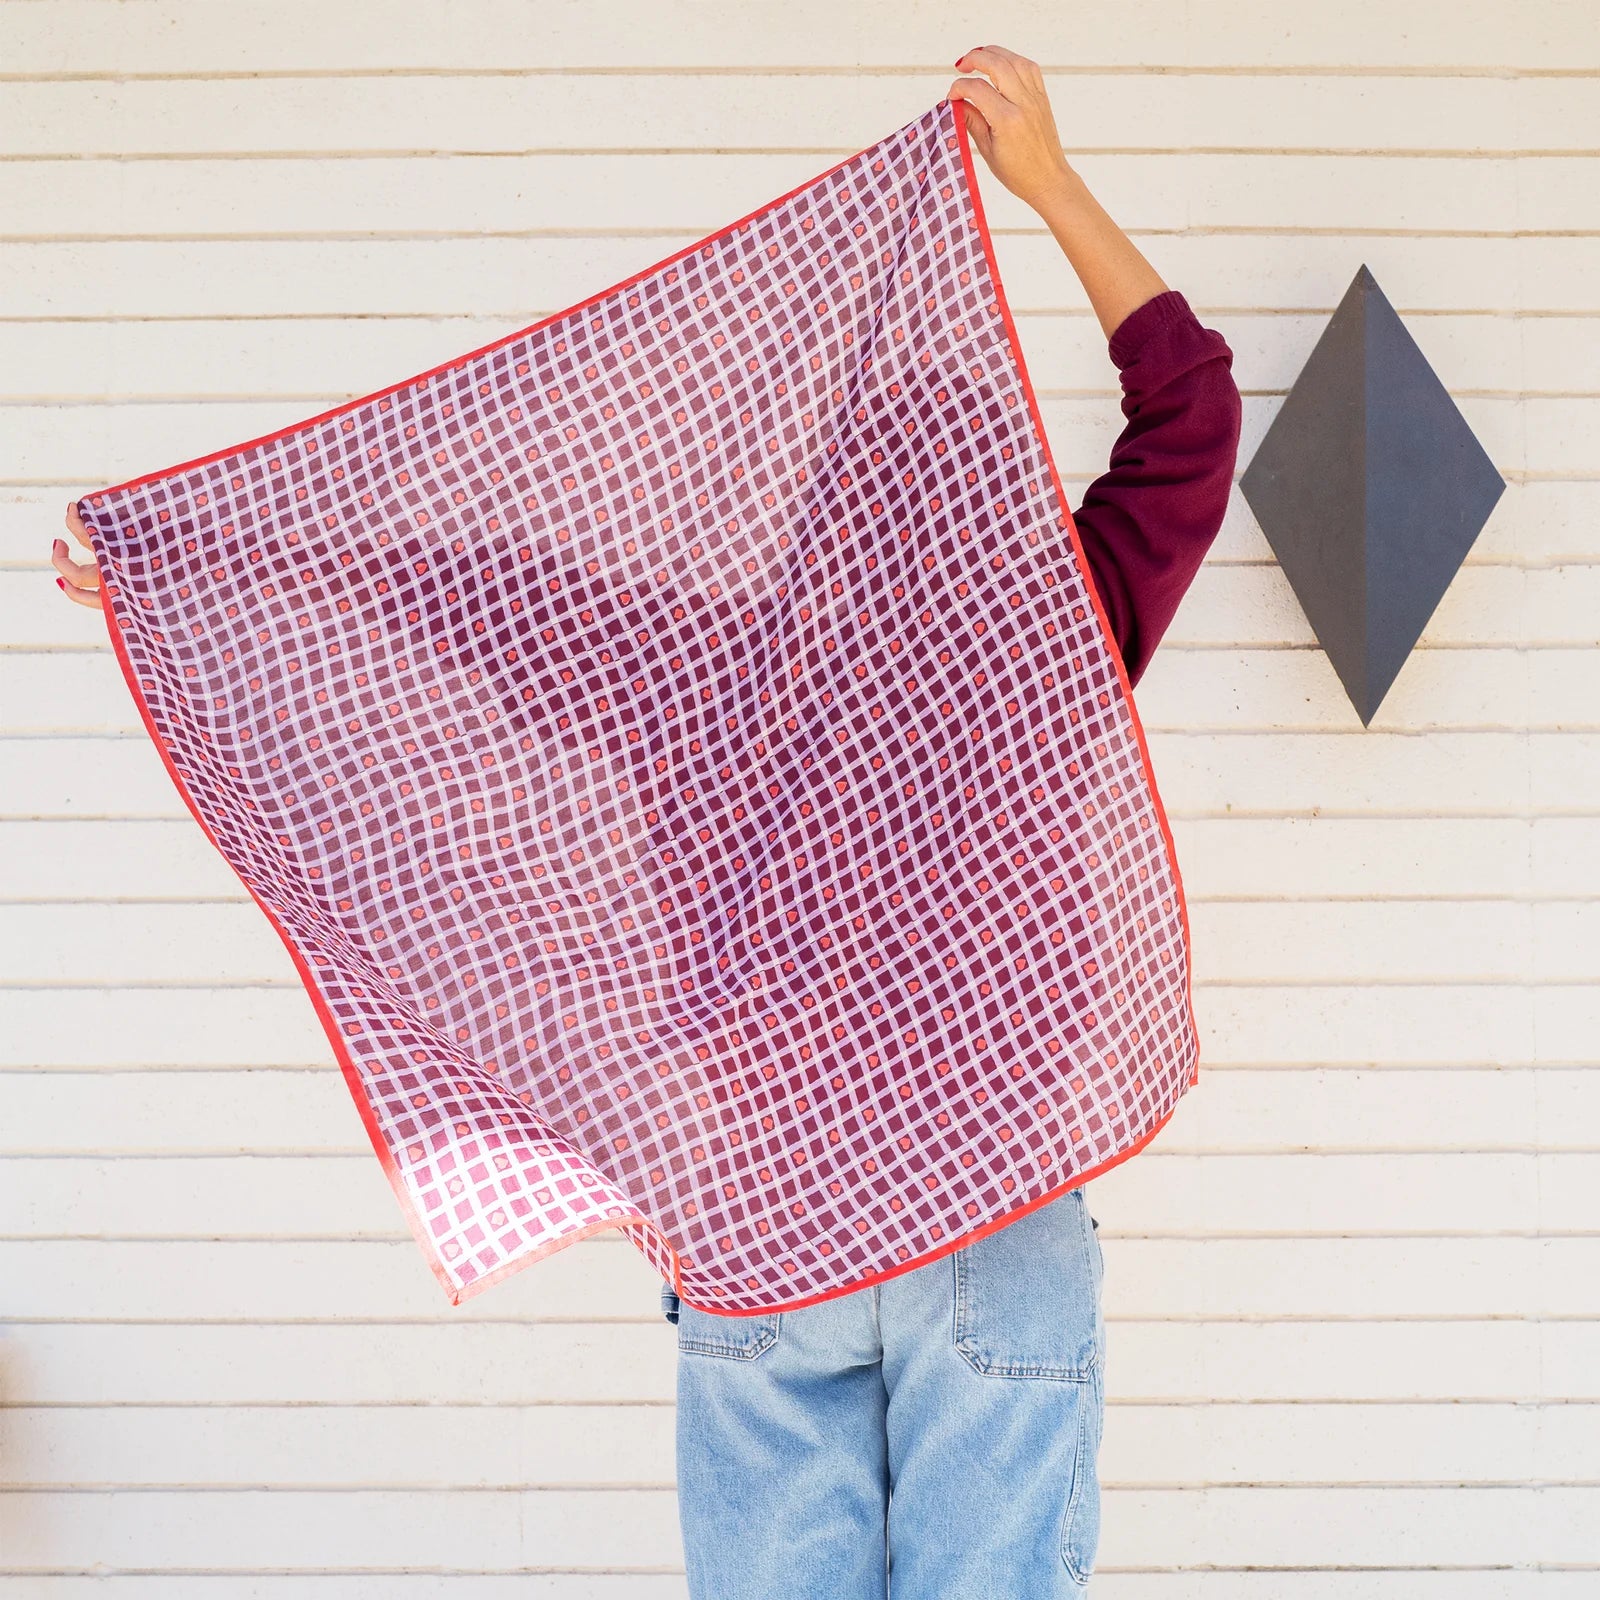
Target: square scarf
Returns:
[[684, 755]]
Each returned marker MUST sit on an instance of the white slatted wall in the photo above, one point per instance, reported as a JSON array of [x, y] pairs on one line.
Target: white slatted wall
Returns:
[[1353, 1291]]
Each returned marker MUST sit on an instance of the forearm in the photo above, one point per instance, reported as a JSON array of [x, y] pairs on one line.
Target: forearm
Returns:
[[1113, 271], [1146, 522]]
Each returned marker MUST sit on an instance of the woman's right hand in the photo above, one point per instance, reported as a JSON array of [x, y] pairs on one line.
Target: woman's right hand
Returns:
[[78, 581]]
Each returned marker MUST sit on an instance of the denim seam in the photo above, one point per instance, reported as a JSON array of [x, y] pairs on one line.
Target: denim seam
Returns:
[[1069, 1517], [700, 1345]]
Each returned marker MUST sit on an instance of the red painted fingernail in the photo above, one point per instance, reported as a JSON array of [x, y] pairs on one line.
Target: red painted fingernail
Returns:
[[61, 583]]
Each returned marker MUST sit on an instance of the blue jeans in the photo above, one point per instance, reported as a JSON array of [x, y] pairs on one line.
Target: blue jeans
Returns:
[[934, 1435]]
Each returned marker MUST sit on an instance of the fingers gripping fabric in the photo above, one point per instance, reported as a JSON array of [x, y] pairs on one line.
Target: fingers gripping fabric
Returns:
[[681, 751]]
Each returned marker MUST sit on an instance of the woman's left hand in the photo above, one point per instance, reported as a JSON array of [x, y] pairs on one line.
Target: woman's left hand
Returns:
[[1012, 124]]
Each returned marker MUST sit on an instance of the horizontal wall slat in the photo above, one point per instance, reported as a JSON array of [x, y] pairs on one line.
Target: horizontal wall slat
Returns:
[[117, 858], [241, 1531], [434, 1585], [1370, 1583], [509, 1530], [322, 362], [519, 280], [62, 442], [1489, 773], [1296, 1278], [1534, 524], [1319, 857], [187, 1111], [438, 1585], [1236, 608], [1273, 1024], [1190, 1196], [1416, 1025], [255, 36], [507, 1446], [63, 688], [1198, 1360], [699, 192], [500, 111], [1304, 941]]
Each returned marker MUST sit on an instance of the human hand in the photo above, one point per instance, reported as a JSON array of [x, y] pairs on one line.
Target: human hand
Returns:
[[78, 582], [1012, 125]]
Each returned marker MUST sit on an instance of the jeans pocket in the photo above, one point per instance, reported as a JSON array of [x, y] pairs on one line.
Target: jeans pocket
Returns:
[[743, 1338], [1027, 1295]]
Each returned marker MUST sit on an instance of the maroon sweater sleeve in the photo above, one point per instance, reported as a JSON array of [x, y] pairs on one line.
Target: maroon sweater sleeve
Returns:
[[1148, 520]]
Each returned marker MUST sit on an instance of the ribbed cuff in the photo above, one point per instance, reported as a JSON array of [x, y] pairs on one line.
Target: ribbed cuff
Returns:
[[1161, 311]]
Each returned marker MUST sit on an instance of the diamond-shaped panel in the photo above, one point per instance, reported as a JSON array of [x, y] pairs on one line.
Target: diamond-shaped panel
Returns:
[[1370, 488]]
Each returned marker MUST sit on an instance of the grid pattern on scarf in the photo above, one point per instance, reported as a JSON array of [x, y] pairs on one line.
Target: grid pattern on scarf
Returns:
[[680, 750]]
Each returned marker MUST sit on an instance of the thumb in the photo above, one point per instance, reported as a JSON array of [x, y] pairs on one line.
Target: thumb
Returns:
[[978, 129]]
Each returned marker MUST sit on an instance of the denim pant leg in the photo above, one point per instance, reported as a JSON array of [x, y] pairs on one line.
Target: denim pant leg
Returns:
[[931, 1437], [782, 1455], [993, 1359]]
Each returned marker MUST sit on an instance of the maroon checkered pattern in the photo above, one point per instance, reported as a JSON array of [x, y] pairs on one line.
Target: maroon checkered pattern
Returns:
[[681, 750]]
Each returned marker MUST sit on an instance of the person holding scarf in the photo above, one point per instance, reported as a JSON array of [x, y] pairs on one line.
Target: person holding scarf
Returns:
[[935, 1435]]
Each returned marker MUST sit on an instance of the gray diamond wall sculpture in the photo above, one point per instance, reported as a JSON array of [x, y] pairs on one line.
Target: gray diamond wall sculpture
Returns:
[[1370, 488]]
